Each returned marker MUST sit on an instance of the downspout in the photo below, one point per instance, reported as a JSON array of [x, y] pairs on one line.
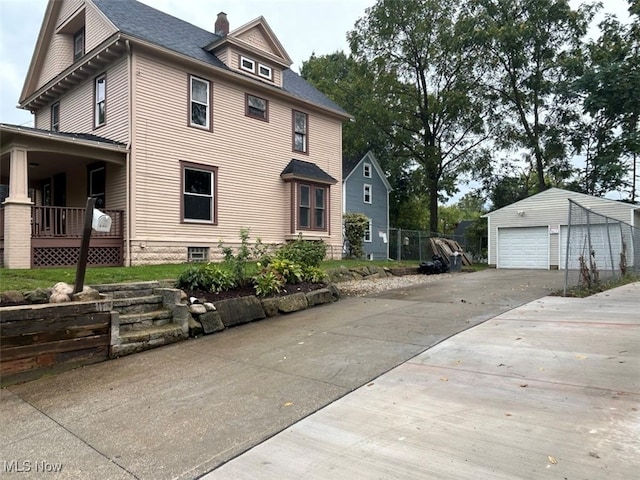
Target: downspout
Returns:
[[128, 166]]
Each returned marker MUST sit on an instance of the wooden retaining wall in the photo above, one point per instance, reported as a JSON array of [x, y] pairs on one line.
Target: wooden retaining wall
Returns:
[[41, 339]]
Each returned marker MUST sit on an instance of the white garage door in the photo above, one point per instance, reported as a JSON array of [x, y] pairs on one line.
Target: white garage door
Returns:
[[523, 247]]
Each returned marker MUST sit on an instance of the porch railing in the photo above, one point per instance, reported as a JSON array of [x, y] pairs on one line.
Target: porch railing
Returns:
[[56, 234], [68, 222]]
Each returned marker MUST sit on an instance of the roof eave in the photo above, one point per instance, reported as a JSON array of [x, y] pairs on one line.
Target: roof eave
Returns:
[[288, 177], [64, 139]]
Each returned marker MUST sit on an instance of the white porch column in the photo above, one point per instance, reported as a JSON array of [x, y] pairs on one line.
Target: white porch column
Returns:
[[17, 213]]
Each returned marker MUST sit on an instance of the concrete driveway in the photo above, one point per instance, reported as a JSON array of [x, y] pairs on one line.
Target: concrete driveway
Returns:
[[183, 410]]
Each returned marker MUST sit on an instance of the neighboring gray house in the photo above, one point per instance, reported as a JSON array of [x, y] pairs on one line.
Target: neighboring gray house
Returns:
[[532, 233], [365, 190]]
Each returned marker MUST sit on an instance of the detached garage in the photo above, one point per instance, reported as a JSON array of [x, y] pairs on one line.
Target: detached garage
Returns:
[[527, 234]]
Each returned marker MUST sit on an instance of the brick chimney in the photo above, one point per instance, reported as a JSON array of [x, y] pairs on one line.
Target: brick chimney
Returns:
[[222, 25]]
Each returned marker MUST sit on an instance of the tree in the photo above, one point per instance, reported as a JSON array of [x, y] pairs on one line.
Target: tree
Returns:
[[355, 225], [530, 47], [425, 74], [349, 83], [610, 90]]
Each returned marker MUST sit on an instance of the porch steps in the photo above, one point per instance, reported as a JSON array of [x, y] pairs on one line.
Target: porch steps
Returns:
[[149, 315]]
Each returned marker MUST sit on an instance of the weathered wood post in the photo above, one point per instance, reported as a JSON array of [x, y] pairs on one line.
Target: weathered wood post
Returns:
[[84, 246]]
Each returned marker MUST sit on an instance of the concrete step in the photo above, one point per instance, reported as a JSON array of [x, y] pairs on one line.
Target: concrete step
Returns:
[[141, 321], [142, 304], [153, 334], [132, 290]]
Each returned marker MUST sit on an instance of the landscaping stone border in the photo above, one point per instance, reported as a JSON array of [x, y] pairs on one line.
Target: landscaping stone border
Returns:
[[207, 318]]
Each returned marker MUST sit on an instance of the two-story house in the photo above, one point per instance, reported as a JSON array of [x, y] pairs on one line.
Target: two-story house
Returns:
[[365, 189], [182, 135]]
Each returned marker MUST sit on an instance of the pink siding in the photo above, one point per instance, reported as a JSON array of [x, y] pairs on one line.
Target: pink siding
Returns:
[[256, 38], [97, 28], [58, 57], [69, 7], [59, 48], [250, 155], [76, 108]]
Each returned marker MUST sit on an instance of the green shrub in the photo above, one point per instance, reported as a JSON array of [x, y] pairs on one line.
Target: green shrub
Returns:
[[268, 282], [221, 279], [238, 261], [355, 225], [288, 269], [208, 277], [314, 275], [306, 253]]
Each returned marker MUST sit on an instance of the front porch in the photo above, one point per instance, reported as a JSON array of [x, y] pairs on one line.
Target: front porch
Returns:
[[45, 180], [56, 233]]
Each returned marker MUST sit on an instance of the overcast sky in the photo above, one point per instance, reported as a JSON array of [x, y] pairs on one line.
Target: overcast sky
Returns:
[[302, 26]]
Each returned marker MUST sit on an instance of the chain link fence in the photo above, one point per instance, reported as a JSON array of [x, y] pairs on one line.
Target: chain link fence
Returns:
[[595, 247], [415, 245]]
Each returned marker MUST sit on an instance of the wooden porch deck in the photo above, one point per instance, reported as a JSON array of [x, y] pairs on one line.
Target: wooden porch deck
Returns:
[[56, 233]]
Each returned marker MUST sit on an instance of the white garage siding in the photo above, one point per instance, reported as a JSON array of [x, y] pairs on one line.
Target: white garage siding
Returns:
[[523, 247], [550, 209], [604, 257]]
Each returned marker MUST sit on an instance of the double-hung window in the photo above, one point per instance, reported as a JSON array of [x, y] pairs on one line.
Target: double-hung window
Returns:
[[366, 194], [312, 207], [199, 109], [300, 132], [367, 232], [55, 117], [257, 107], [100, 99], [366, 170], [198, 193]]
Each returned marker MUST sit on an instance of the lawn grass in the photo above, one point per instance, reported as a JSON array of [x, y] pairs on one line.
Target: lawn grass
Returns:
[[47, 277]]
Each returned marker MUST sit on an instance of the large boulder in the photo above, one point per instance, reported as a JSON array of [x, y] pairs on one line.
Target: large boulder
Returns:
[[87, 294], [211, 322], [235, 311], [270, 306], [12, 297], [318, 297], [293, 303], [61, 292]]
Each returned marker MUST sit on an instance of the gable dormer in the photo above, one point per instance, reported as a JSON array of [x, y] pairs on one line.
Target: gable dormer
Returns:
[[70, 30], [252, 49]]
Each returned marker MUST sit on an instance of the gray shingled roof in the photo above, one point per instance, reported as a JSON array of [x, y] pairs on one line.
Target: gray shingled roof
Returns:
[[146, 23], [306, 170], [79, 136]]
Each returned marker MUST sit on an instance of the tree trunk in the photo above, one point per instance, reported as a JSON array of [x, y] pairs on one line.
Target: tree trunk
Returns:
[[433, 208]]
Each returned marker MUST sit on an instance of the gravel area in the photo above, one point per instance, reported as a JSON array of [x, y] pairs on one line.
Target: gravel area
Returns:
[[359, 288]]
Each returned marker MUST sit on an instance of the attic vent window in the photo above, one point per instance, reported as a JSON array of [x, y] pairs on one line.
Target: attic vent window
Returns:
[[247, 64], [265, 71], [78, 44]]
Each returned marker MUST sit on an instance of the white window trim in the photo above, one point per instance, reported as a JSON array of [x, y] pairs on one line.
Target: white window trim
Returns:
[[253, 63], [269, 76], [207, 121], [368, 234], [365, 167], [364, 193]]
